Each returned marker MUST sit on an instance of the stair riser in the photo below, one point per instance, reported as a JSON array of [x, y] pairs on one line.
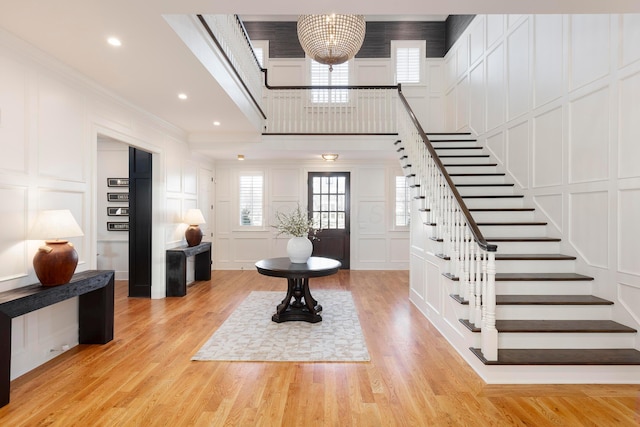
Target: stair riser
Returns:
[[491, 179], [485, 191], [494, 203], [514, 230], [536, 266], [565, 340], [459, 151], [544, 288], [508, 216], [470, 169], [553, 312], [527, 247], [464, 160]]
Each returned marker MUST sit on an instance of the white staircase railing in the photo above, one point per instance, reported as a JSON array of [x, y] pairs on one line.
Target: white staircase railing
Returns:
[[331, 110], [472, 259]]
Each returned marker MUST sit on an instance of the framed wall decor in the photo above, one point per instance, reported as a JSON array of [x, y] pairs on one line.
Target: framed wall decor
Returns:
[[117, 182], [117, 226], [117, 211], [118, 197]]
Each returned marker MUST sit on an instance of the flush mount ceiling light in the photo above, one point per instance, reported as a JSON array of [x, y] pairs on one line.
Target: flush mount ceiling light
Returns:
[[216, 123], [331, 39], [240, 156], [114, 41], [330, 157], [182, 96]]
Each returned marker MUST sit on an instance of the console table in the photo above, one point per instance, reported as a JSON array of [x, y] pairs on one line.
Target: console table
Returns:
[[297, 275], [95, 313], [177, 267]]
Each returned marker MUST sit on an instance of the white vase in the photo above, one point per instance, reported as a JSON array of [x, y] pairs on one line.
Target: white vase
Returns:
[[299, 249]]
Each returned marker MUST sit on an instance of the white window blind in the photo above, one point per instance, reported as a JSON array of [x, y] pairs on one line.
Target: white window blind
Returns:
[[321, 76], [251, 195], [403, 202], [408, 65]]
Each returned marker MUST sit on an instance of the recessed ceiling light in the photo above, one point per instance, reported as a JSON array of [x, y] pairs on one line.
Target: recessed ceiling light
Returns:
[[114, 41], [216, 123], [182, 96]]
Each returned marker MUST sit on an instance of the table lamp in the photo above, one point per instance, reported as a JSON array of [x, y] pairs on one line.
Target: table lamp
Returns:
[[55, 262], [193, 234]]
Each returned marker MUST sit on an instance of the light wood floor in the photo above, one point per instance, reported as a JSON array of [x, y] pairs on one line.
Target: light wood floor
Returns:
[[145, 376]]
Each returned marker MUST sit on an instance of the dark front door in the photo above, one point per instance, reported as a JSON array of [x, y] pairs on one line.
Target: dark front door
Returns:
[[330, 210], [140, 210]]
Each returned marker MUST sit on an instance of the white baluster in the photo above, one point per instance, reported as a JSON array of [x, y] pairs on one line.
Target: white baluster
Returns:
[[472, 283], [478, 291]]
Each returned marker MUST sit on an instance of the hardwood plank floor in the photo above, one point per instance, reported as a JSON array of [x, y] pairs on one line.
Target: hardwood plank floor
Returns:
[[145, 376]]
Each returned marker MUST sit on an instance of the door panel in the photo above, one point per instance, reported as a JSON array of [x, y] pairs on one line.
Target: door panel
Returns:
[[329, 206], [140, 213]]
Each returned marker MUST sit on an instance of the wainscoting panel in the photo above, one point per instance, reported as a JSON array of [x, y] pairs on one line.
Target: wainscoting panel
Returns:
[[495, 143], [630, 36], [250, 249], [285, 184], [462, 104], [548, 148], [628, 234], [61, 131], [629, 136], [13, 122], [174, 230], [590, 48], [551, 205], [372, 250], [496, 87], [173, 174], [589, 234], [476, 40], [495, 29], [371, 183], [549, 55], [518, 77], [462, 55], [398, 250], [630, 299], [434, 290], [190, 178], [589, 145], [13, 245], [518, 153], [477, 99], [371, 217]]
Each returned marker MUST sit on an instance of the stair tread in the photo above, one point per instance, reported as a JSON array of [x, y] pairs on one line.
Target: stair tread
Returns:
[[532, 277], [532, 257], [578, 356], [458, 156], [478, 174], [559, 326], [522, 239], [501, 209], [458, 148], [469, 164], [485, 185], [495, 196], [492, 224], [543, 300]]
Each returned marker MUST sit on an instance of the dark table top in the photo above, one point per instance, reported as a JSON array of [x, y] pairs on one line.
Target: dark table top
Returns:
[[283, 267]]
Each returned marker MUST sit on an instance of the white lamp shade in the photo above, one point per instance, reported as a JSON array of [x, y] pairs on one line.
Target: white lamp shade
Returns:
[[194, 217], [55, 224]]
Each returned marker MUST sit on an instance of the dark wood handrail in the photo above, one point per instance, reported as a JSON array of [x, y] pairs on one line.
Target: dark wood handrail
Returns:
[[477, 234], [217, 43]]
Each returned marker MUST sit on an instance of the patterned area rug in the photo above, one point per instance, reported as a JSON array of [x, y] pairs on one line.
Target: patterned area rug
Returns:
[[249, 334]]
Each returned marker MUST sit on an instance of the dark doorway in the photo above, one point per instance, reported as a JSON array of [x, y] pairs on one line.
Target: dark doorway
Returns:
[[140, 210], [329, 206]]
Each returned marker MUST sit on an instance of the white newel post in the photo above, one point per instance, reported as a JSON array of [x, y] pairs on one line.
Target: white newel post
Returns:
[[489, 331]]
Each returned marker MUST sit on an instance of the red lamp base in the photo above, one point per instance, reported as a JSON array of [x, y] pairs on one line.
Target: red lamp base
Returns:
[[193, 235], [55, 263]]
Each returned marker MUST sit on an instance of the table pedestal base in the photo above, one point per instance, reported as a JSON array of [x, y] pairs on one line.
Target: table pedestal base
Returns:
[[307, 310]]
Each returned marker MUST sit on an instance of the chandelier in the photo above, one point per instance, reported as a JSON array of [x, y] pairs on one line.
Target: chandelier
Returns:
[[331, 39]]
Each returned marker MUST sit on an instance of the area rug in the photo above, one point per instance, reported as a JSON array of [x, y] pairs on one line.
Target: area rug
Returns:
[[249, 334]]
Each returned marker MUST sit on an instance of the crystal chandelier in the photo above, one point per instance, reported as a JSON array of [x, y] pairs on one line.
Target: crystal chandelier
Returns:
[[331, 39]]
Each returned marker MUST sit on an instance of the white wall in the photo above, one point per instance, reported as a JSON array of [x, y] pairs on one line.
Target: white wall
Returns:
[[50, 119], [555, 99], [375, 243]]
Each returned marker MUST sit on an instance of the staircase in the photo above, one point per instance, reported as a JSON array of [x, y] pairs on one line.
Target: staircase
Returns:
[[545, 313]]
